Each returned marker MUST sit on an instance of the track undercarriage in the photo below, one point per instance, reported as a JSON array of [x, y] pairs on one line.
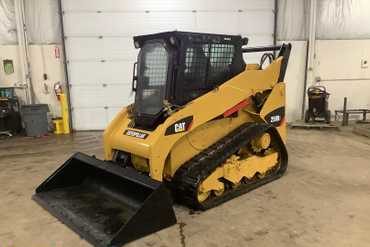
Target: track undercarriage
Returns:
[[247, 158]]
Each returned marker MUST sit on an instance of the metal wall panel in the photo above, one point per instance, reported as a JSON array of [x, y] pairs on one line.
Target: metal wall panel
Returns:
[[100, 51]]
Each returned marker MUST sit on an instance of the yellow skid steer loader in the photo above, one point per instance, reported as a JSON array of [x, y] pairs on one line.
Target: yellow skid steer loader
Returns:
[[205, 127]]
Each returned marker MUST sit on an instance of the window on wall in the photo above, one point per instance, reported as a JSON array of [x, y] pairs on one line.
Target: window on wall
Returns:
[[8, 66]]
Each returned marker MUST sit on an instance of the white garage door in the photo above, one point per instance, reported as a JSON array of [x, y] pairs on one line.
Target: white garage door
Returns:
[[100, 51]]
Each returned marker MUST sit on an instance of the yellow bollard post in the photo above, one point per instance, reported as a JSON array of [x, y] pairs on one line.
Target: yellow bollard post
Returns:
[[65, 113], [62, 124]]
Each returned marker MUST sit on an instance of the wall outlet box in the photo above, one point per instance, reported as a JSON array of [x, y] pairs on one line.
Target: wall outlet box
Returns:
[[364, 63]]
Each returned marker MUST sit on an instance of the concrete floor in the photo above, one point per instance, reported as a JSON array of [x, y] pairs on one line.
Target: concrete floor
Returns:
[[323, 200]]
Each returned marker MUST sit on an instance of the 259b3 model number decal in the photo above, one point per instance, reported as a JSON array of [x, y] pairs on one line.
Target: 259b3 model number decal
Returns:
[[180, 126], [276, 117], [137, 134]]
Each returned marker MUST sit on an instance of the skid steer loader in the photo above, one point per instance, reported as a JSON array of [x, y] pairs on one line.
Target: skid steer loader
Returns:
[[204, 128]]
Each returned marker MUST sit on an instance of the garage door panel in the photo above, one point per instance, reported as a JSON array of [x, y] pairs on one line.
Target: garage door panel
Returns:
[[214, 22], [166, 21], [259, 40], [88, 96], [96, 72], [89, 118], [163, 5], [84, 24], [98, 96], [257, 22], [101, 48], [126, 24]]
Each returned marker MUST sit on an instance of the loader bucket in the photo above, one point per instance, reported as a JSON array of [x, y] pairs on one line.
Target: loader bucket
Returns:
[[104, 203]]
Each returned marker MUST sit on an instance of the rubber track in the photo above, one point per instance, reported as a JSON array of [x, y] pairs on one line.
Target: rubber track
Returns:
[[189, 176]]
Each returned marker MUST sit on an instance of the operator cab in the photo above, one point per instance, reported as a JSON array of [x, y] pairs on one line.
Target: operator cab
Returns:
[[174, 68]]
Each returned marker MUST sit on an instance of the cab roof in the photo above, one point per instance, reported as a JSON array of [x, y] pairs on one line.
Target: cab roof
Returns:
[[191, 36]]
